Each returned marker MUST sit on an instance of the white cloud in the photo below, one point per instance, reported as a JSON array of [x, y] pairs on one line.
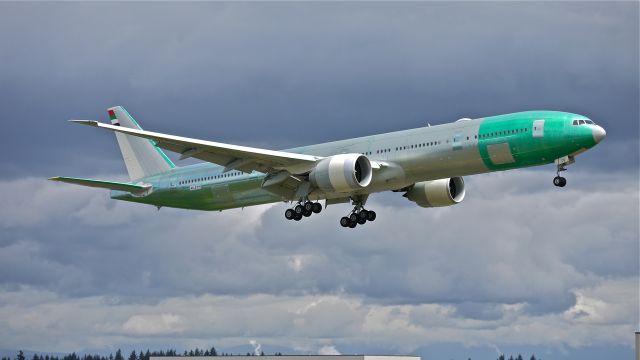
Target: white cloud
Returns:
[[328, 350], [153, 324], [275, 320]]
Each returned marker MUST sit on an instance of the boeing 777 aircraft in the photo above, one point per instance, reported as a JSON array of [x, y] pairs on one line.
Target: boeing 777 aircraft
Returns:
[[425, 164]]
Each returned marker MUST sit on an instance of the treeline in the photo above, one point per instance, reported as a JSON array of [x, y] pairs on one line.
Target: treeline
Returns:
[[519, 357], [132, 356], [171, 352]]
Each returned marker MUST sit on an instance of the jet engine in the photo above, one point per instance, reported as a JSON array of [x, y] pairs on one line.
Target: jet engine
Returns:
[[435, 193], [342, 173]]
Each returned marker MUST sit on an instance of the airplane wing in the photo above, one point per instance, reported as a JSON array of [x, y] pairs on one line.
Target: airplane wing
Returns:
[[112, 185], [235, 157]]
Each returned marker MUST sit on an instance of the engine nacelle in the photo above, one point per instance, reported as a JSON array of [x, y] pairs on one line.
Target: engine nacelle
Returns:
[[442, 192], [342, 173]]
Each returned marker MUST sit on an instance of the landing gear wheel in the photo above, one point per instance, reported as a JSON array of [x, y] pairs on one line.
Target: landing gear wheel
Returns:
[[307, 213], [363, 214], [371, 215], [353, 224], [353, 218], [289, 214], [559, 181], [344, 221], [298, 217], [308, 206], [362, 220], [317, 207], [299, 209]]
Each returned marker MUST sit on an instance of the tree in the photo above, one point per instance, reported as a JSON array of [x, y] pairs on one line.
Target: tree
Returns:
[[119, 355], [20, 355], [133, 356]]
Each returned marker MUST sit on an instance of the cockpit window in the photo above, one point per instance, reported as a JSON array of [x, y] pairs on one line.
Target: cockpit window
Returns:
[[582, 122]]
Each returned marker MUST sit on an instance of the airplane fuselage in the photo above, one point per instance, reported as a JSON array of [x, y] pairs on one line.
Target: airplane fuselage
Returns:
[[465, 147]]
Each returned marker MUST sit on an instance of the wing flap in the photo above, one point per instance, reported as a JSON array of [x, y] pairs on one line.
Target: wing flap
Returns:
[[103, 184]]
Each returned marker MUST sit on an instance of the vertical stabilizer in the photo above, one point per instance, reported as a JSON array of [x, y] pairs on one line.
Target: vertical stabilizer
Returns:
[[141, 156]]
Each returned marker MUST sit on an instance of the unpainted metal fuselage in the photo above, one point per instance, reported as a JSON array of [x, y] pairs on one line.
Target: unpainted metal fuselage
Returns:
[[465, 147]]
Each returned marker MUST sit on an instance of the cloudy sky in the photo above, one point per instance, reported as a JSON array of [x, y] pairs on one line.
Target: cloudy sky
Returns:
[[519, 266]]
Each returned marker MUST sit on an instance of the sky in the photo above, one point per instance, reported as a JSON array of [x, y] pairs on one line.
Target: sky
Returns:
[[519, 266]]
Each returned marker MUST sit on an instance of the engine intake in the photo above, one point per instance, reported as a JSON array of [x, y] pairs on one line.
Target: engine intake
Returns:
[[342, 173], [435, 193]]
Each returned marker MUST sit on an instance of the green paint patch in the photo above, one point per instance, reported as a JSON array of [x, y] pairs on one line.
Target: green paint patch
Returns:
[[530, 138]]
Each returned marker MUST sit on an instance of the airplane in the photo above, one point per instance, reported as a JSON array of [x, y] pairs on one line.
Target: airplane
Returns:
[[426, 164]]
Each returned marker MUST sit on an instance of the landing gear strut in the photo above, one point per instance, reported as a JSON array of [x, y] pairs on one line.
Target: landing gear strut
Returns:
[[302, 209], [562, 164], [359, 215]]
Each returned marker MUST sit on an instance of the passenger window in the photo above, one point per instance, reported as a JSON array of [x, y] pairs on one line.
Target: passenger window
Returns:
[[581, 122]]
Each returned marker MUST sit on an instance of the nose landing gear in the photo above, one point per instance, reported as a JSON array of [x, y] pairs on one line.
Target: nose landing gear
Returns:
[[562, 164], [559, 181]]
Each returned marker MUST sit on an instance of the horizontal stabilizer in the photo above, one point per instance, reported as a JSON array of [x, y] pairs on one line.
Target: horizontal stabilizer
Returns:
[[112, 185]]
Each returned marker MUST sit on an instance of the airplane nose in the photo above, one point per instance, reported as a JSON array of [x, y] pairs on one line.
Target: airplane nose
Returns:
[[598, 133]]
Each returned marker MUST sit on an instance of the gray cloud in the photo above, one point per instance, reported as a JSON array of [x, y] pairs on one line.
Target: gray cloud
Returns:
[[505, 244], [200, 69], [308, 321]]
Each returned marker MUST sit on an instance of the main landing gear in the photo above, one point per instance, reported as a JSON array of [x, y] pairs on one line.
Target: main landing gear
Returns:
[[357, 216], [303, 209], [562, 164]]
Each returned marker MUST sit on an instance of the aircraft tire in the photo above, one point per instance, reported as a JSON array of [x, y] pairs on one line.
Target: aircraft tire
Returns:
[[353, 218], [307, 213], [371, 215], [298, 217], [563, 181], [353, 224], [317, 207], [308, 206], [344, 221], [289, 214], [362, 220], [299, 209], [559, 181]]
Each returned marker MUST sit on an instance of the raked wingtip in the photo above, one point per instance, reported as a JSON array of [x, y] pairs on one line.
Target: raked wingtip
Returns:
[[85, 122]]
